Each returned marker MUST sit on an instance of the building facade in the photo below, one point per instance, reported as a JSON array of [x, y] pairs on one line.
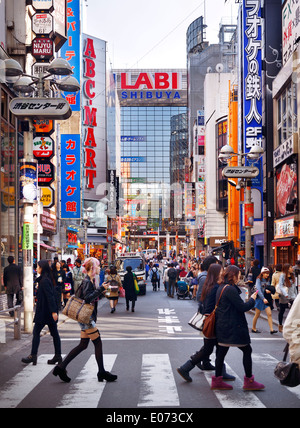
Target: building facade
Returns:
[[153, 121]]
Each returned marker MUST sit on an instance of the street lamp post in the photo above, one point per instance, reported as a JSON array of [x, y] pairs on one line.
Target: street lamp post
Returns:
[[245, 173], [33, 104]]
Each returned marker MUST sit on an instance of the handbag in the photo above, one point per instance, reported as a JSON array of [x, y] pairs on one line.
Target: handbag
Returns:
[[78, 310], [208, 329], [197, 321], [136, 285], [113, 289], [287, 373], [121, 292]]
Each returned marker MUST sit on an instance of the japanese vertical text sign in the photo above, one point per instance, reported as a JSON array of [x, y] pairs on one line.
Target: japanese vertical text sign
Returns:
[[70, 177], [252, 75], [71, 49]]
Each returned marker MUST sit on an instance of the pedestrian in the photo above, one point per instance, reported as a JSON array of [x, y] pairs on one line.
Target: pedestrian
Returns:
[[114, 280], [128, 285], [251, 275], [264, 299], [68, 288], [287, 291], [232, 329], [208, 299], [154, 277], [13, 283], [46, 313], [77, 274], [291, 331], [59, 277], [89, 294], [202, 275], [166, 278], [275, 283], [172, 276]]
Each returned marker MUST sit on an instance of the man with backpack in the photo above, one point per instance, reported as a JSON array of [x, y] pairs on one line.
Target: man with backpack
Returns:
[[155, 278], [172, 275]]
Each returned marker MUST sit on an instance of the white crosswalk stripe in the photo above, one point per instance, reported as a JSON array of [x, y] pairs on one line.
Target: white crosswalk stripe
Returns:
[[24, 382], [158, 387], [158, 384], [87, 386]]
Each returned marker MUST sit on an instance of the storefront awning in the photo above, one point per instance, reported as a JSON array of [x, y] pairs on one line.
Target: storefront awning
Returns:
[[284, 242], [97, 240], [47, 247]]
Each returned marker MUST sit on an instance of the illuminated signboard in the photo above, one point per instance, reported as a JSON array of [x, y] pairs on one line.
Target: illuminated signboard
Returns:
[[71, 49], [93, 117], [253, 126], [150, 85], [70, 177]]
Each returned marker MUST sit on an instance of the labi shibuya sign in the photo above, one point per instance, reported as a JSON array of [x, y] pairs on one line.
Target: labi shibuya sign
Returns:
[[147, 86]]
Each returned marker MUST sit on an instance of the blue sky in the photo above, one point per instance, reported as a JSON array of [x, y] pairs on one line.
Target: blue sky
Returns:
[[152, 34]]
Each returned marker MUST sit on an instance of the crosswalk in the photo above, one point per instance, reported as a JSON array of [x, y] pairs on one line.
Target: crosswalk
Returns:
[[159, 384]]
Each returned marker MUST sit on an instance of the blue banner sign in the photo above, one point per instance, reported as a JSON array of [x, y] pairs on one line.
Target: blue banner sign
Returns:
[[71, 50], [252, 86], [70, 177]]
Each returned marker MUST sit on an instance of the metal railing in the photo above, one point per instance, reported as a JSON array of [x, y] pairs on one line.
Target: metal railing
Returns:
[[16, 321]]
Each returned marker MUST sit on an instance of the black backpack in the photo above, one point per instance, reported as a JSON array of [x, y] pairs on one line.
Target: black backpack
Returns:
[[172, 273], [154, 276]]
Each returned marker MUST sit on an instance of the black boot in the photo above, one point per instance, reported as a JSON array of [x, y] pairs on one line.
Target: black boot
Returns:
[[106, 376], [62, 373], [185, 369], [225, 375], [55, 359], [30, 359]]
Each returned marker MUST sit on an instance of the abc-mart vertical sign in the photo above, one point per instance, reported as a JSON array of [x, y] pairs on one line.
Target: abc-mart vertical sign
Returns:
[[252, 85]]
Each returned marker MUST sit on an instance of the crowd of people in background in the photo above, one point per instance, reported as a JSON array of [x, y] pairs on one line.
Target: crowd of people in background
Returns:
[[268, 288]]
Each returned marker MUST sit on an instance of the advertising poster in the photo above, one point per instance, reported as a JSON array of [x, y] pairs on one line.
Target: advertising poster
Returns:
[[287, 189]]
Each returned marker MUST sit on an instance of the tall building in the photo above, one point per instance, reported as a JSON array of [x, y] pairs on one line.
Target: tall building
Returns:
[[153, 121]]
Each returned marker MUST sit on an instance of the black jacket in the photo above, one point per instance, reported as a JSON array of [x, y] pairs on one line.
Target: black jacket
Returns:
[[12, 278], [88, 292], [128, 285], [231, 323], [209, 303], [46, 301]]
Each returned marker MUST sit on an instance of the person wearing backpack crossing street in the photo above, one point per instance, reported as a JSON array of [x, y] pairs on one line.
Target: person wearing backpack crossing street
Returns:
[[154, 277], [172, 275]]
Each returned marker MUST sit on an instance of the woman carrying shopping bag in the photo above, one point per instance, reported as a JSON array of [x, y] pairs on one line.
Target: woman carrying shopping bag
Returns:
[[90, 294]]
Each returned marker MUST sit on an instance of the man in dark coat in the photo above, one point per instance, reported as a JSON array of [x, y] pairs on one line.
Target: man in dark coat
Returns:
[[13, 283], [128, 285]]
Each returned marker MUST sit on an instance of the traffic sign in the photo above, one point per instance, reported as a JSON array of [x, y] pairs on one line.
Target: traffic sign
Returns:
[[42, 23], [41, 108], [240, 172]]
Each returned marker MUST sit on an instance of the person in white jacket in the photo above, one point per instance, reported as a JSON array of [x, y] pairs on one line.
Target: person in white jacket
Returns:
[[291, 331]]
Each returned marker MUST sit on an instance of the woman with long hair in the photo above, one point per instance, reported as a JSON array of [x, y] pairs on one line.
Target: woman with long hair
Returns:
[[46, 313], [90, 294], [207, 305], [287, 291], [264, 299], [232, 329], [114, 279]]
